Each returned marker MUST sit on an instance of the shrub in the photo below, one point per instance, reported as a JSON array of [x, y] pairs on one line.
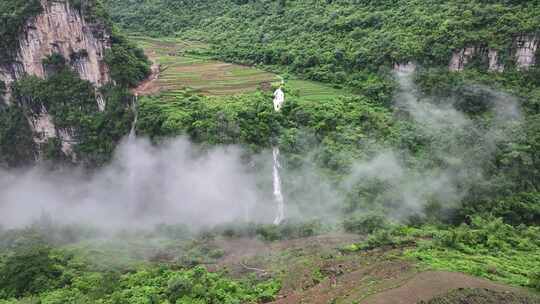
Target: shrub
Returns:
[[17, 147], [174, 232], [54, 63], [127, 63], [289, 230], [534, 281], [30, 270], [365, 223], [12, 19]]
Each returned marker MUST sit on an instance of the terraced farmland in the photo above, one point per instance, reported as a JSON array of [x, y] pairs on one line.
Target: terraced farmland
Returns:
[[184, 65]]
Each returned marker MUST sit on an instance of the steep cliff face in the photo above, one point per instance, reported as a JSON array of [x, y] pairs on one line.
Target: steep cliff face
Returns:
[[406, 67], [460, 58], [60, 29], [526, 47], [523, 55]]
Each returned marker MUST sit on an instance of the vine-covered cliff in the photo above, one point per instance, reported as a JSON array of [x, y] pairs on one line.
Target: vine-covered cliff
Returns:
[[60, 29], [62, 64]]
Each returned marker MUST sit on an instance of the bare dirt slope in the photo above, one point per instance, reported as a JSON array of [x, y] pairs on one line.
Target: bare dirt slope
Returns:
[[314, 271], [483, 296], [427, 285], [392, 282]]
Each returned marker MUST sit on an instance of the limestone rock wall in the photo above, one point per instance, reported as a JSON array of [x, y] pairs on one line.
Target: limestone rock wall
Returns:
[[526, 47], [523, 52], [60, 29], [494, 61], [407, 67], [461, 57]]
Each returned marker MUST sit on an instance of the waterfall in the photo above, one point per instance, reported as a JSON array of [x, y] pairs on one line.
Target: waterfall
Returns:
[[279, 99], [132, 132], [278, 196]]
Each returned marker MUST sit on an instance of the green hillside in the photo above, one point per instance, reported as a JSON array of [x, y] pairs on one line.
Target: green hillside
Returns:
[[419, 186], [353, 45], [335, 41]]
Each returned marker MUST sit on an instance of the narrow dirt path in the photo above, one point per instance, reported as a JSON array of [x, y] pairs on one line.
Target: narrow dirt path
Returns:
[[150, 85]]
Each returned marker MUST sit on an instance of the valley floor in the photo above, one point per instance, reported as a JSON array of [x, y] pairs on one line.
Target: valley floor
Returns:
[[314, 270]]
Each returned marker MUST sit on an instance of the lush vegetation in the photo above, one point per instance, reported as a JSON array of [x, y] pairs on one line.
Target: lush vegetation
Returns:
[[482, 217], [336, 133], [343, 42], [487, 247], [13, 15], [16, 145], [251, 120], [93, 11], [354, 44], [35, 269], [127, 63]]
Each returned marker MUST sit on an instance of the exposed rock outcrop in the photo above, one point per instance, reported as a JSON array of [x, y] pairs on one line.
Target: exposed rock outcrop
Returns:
[[59, 29], [494, 61], [44, 129], [63, 30], [43, 126], [408, 67], [526, 47], [8, 74], [524, 51], [462, 57]]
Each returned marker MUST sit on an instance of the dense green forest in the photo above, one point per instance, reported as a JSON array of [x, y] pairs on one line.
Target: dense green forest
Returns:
[[343, 42], [437, 169]]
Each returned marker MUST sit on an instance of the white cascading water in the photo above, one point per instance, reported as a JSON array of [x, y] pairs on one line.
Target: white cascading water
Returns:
[[131, 162], [132, 133], [278, 195], [279, 99]]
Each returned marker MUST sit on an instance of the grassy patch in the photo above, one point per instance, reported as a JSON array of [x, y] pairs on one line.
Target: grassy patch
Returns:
[[514, 266], [315, 91], [485, 248]]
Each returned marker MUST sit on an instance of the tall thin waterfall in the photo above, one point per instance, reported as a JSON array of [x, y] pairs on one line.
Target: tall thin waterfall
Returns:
[[278, 195], [132, 132], [279, 99], [132, 169]]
